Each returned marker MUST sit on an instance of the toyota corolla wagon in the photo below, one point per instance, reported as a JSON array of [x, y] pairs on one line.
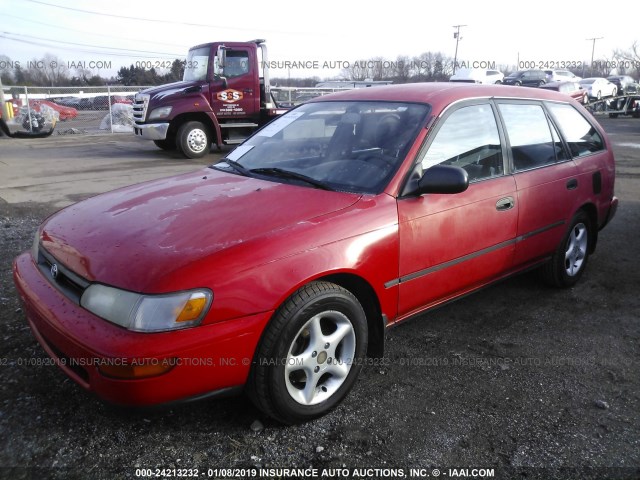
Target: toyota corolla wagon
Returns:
[[278, 269]]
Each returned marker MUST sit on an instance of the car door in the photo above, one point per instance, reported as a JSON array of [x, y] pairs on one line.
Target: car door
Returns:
[[545, 176], [241, 97], [452, 243]]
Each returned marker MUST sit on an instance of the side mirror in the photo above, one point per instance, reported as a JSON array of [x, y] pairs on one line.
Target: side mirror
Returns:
[[445, 179], [221, 55], [221, 61]]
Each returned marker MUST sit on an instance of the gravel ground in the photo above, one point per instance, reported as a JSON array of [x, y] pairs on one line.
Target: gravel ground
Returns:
[[522, 379]]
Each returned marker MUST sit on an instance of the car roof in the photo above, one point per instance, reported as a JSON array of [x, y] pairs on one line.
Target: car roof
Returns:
[[440, 94], [558, 83]]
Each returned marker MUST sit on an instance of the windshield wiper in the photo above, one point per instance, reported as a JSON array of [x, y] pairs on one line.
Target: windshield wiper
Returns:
[[233, 164], [279, 172]]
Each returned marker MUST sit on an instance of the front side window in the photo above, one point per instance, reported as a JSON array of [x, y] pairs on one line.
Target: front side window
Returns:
[[468, 138], [580, 135], [237, 63], [530, 137], [348, 146]]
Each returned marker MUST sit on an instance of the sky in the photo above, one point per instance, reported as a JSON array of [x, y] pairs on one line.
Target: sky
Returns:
[[103, 36]]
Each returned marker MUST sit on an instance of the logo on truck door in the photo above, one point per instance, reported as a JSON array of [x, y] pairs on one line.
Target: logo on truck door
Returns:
[[229, 96]]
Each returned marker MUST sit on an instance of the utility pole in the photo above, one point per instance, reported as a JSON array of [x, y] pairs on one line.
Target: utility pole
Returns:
[[457, 36], [593, 49]]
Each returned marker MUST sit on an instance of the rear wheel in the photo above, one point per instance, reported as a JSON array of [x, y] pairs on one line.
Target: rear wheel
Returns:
[[308, 358], [193, 139], [570, 258]]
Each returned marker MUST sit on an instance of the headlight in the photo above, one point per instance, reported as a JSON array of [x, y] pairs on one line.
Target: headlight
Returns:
[[162, 112], [147, 313]]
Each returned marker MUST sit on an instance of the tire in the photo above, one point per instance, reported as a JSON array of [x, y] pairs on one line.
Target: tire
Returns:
[[320, 333], [167, 144], [518, 83], [570, 258], [194, 139], [541, 82]]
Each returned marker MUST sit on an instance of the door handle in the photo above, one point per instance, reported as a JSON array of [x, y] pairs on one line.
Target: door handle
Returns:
[[506, 203], [572, 184]]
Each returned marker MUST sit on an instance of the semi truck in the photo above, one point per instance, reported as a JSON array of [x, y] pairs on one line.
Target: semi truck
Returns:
[[225, 95]]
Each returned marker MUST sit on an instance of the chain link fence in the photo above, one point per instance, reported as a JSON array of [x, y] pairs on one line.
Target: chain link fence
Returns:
[[99, 110], [76, 110]]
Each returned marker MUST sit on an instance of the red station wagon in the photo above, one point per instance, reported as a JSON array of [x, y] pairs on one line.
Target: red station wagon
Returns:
[[276, 270]]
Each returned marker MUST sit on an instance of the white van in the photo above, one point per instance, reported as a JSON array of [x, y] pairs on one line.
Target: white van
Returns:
[[477, 75]]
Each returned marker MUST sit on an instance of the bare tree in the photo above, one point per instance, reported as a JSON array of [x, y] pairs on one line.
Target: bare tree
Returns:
[[628, 61]]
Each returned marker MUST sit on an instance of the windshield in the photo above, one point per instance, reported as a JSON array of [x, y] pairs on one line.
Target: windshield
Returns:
[[195, 68], [348, 146]]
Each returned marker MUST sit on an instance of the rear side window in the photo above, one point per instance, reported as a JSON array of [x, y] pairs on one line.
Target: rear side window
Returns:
[[533, 141], [580, 135]]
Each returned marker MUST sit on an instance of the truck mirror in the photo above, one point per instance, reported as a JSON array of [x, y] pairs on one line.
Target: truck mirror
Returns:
[[221, 55]]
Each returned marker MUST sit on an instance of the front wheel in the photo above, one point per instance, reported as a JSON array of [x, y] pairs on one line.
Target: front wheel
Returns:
[[194, 140], [570, 259], [310, 354]]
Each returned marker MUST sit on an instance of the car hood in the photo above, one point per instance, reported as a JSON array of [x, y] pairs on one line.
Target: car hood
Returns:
[[133, 236], [177, 88]]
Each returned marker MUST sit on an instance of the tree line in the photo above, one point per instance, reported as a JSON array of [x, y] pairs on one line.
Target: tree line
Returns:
[[51, 71]]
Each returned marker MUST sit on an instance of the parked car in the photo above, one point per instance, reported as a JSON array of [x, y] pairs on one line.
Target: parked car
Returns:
[[624, 84], [598, 87], [573, 89], [528, 78], [477, 75], [101, 102], [561, 76], [65, 113], [278, 269]]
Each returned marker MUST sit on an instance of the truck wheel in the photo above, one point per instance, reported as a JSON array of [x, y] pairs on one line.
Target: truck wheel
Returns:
[[168, 144], [310, 354], [194, 139]]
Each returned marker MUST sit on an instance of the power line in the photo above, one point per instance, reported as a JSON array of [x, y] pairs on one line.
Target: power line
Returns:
[[142, 19], [92, 33], [87, 45], [74, 49]]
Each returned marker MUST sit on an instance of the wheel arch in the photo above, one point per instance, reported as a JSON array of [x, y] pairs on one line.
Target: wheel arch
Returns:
[[367, 297], [592, 212]]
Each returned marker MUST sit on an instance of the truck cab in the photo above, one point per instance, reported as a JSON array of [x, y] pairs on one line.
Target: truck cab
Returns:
[[224, 95]]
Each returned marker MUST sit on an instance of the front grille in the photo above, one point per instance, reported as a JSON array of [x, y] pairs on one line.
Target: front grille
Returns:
[[69, 283], [140, 105]]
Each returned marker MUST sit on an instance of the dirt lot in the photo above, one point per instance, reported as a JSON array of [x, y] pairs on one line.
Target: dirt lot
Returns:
[[520, 379]]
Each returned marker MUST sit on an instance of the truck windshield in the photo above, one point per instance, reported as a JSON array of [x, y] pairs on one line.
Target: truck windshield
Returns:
[[347, 146], [195, 68]]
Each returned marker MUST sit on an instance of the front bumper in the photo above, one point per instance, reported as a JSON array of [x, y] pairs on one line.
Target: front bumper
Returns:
[[151, 131], [208, 358]]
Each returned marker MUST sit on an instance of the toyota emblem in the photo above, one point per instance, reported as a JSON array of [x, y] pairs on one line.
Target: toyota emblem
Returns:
[[54, 271]]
